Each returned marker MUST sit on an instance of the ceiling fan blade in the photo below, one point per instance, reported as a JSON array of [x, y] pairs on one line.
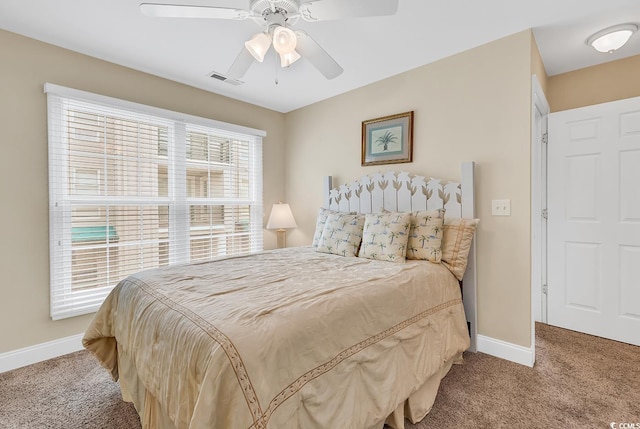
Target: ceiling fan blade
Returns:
[[309, 48], [241, 64], [158, 10], [325, 10]]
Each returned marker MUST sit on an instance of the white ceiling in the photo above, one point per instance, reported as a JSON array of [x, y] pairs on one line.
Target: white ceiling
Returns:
[[369, 49]]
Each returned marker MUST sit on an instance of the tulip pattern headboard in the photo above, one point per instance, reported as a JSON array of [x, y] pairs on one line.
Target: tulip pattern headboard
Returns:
[[403, 192]]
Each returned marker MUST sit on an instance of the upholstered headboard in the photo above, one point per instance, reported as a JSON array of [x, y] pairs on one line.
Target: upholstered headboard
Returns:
[[403, 192]]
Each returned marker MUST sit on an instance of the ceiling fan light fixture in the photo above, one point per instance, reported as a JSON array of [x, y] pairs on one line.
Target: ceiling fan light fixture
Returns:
[[612, 38], [258, 45], [284, 40], [287, 59]]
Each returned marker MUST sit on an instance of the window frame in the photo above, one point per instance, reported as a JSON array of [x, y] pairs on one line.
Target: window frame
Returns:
[[66, 302]]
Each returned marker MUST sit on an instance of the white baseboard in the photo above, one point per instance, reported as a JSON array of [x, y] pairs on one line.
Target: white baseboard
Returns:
[[33, 354], [51, 349], [502, 349]]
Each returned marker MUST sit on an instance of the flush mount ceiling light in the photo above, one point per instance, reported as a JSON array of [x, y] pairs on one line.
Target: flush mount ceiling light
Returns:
[[612, 38]]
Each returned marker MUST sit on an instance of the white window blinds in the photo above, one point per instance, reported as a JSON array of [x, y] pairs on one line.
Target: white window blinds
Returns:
[[134, 187]]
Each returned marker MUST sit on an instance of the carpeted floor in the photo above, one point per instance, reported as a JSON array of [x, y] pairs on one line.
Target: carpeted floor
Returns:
[[68, 392], [579, 381]]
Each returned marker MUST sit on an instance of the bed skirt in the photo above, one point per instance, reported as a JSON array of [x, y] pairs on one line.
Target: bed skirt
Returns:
[[418, 405], [415, 408]]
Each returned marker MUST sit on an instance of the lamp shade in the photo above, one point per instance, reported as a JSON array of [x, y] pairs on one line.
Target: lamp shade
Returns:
[[281, 217], [612, 38], [258, 45], [284, 40], [287, 59]]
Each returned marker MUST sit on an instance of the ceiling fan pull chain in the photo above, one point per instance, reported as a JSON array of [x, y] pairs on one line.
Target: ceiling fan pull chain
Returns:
[[276, 63]]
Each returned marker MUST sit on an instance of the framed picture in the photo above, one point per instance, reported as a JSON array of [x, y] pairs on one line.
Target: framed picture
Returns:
[[388, 140]]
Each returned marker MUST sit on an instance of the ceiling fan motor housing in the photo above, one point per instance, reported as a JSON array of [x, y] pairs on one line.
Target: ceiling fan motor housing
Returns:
[[261, 6]]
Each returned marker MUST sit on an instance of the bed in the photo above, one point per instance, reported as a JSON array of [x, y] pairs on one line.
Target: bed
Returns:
[[297, 337]]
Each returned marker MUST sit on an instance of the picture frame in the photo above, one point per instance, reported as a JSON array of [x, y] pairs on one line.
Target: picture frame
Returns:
[[388, 140]]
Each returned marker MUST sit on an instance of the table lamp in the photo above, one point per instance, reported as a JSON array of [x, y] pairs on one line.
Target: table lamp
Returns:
[[281, 219]]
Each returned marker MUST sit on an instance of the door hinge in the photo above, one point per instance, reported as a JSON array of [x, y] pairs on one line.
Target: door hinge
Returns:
[[545, 214], [545, 138], [544, 289]]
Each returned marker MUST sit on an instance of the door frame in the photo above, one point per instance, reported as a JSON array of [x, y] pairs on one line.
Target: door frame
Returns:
[[538, 203]]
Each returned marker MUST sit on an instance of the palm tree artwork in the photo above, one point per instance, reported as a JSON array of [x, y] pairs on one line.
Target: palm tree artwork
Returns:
[[387, 138]]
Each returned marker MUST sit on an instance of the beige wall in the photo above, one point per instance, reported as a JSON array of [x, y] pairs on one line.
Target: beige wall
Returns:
[[593, 85], [537, 66], [471, 106], [474, 106], [25, 65]]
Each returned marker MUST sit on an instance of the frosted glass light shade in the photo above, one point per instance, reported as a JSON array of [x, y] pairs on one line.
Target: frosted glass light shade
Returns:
[[258, 45], [281, 217], [287, 59], [284, 40], [612, 38]]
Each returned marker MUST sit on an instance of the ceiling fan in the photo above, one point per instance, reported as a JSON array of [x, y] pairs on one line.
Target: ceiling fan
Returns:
[[277, 16]]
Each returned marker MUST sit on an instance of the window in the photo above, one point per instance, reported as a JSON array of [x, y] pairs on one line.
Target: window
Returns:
[[132, 187]]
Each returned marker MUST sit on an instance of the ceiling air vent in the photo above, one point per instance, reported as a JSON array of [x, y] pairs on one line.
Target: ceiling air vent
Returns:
[[226, 79]]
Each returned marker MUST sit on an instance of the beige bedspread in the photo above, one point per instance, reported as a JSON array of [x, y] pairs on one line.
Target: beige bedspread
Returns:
[[289, 338]]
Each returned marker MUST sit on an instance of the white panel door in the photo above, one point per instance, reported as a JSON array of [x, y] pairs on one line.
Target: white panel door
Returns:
[[594, 220]]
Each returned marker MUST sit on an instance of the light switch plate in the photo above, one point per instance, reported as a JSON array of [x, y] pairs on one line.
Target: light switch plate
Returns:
[[501, 207]]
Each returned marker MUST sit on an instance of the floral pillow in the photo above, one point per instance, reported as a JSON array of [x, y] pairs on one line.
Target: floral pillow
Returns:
[[425, 235], [342, 234], [385, 236]]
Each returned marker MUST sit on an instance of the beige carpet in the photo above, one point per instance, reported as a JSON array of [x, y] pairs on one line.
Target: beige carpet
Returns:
[[579, 381], [68, 392]]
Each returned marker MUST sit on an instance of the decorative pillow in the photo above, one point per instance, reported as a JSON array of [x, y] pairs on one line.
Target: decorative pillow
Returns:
[[456, 243], [320, 221], [342, 234], [385, 236], [425, 235]]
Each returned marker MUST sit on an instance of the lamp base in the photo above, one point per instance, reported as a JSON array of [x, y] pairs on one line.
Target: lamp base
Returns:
[[282, 238]]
